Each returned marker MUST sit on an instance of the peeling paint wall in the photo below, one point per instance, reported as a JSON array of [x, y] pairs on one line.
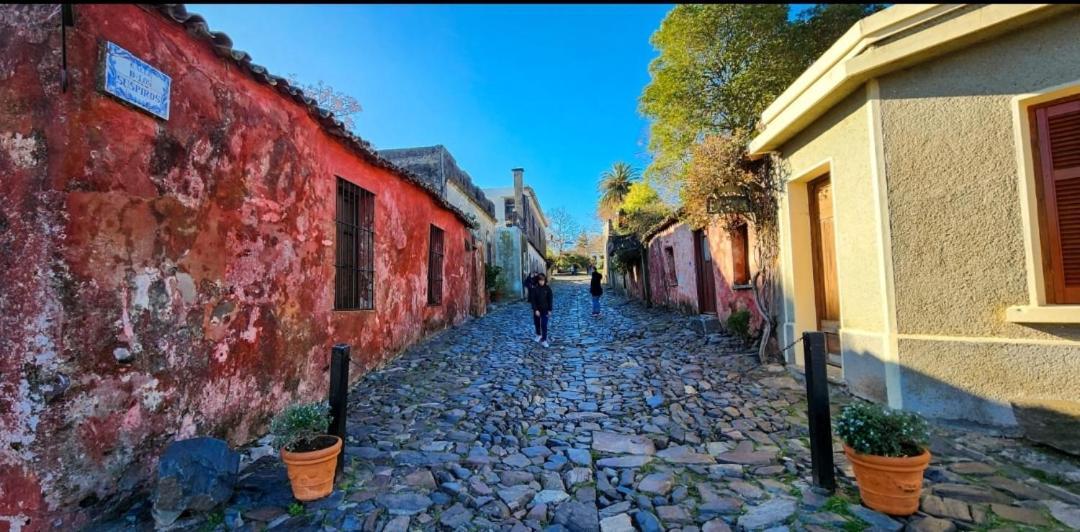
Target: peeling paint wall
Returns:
[[683, 294], [166, 279]]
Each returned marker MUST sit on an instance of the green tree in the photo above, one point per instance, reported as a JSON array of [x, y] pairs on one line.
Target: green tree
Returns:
[[642, 209], [720, 65], [615, 185]]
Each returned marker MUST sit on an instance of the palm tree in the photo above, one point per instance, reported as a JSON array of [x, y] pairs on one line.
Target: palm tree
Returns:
[[615, 184]]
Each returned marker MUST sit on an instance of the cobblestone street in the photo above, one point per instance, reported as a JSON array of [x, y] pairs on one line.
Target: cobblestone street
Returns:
[[619, 426]]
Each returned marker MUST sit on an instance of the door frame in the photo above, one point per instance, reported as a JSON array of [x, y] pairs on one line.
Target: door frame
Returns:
[[832, 342], [706, 290]]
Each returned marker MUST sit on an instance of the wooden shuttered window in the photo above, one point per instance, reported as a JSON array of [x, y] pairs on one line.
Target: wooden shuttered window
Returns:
[[354, 264], [435, 266], [1057, 150], [740, 254]]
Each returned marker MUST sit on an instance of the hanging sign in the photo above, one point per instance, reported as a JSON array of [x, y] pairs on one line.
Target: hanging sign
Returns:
[[136, 82]]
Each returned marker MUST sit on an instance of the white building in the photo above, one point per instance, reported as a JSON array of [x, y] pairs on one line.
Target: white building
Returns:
[[521, 234]]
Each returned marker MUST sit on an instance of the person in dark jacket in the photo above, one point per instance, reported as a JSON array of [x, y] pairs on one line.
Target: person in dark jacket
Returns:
[[596, 290], [541, 298]]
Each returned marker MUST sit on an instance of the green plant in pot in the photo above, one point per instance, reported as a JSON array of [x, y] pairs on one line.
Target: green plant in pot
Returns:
[[888, 451], [309, 453]]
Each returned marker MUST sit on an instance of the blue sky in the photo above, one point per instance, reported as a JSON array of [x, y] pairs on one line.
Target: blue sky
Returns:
[[550, 88]]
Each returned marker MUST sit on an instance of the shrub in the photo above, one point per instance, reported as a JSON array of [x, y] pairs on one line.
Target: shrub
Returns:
[[298, 426], [738, 323], [873, 429], [491, 276]]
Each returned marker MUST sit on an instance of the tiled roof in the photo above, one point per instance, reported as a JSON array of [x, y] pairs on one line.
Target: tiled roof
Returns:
[[223, 46]]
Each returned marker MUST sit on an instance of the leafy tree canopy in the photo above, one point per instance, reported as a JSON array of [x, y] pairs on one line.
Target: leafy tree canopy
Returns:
[[720, 65]]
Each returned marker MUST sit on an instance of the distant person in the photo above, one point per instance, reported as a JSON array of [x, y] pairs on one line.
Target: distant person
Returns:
[[541, 298], [573, 270], [596, 290], [527, 284]]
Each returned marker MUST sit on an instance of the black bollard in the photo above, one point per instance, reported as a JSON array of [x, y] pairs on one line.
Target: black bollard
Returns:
[[339, 396], [817, 396]]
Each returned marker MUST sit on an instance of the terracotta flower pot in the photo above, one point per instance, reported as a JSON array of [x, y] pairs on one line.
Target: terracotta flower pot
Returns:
[[311, 473], [889, 485]]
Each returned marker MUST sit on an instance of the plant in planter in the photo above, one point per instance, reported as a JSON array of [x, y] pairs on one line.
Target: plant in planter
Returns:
[[887, 450], [309, 453]]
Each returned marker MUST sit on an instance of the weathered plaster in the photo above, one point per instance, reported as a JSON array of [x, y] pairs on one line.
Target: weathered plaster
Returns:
[[684, 294], [165, 279]]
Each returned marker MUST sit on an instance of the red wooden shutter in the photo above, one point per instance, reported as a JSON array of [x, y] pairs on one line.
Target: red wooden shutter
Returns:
[[1058, 128]]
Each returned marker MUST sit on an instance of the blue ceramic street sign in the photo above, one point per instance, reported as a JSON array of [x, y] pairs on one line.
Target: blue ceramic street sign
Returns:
[[133, 80]]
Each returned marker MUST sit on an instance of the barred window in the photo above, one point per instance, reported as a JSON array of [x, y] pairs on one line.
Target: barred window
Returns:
[[354, 283], [435, 266]]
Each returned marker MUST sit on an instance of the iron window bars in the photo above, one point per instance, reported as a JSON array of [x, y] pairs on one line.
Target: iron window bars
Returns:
[[354, 282], [435, 266]]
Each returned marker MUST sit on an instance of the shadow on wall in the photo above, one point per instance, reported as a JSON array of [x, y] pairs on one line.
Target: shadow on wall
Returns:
[[1051, 422]]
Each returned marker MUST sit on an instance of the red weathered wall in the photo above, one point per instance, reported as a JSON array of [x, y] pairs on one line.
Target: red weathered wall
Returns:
[[202, 245], [684, 294]]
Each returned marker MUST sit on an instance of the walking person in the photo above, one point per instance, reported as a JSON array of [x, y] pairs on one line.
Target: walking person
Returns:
[[596, 290], [541, 299]]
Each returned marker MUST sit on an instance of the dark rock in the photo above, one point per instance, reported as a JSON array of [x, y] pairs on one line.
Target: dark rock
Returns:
[[196, 474], [647, 522], [404, 503], [577, 517]]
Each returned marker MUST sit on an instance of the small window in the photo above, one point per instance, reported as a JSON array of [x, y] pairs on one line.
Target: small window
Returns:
[[1057, 155], [672, 277], [740, 254], [354, 280], [435, 266]]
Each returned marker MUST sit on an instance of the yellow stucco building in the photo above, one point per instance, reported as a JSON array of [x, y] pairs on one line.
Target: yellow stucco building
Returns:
[[917, 223]]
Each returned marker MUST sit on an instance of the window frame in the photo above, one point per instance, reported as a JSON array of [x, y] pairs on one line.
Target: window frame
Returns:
[[669, 262], [740, 233], [354, 247], [1040, 308], [436, 259]]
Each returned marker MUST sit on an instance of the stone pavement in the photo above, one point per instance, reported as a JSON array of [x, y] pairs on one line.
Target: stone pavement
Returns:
[[630, 421]]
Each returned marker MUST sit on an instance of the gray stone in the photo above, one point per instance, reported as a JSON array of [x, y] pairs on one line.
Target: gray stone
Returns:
[[404, 503], [516, 497], [578, 475], [196, 474], [581, 457], [969, 493], [610, 442], [1068, 515], [617, 523], [624, 461], [517, 460], [511, 478], [672, 514], [767, 514], [945, 507], [456, 516], [716, 525], [931, 524], [1027, 516], [550, 497], [397, 524], [657, 483], [647, 522], [877, 520], [685, 455], [972, 468], [421, 479], [577, 517]]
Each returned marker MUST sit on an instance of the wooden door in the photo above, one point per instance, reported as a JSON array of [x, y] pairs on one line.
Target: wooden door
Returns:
[[703, 268], [823, 248]]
